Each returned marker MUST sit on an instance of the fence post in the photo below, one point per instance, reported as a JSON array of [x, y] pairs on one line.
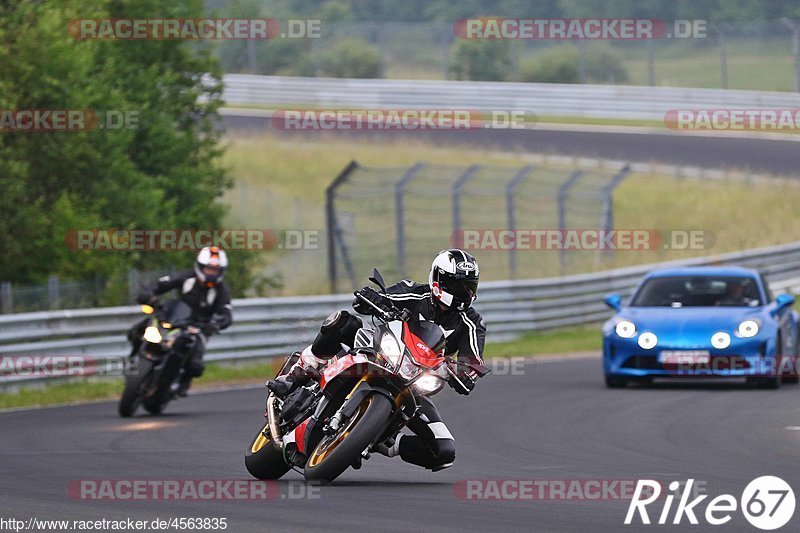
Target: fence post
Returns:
[[723, 57], [457, 186], [134, 279], [608, 194], [7, 297], [399, 191], [795, 29], [53, 293], [563, 190], [330, 217], [511, 189]]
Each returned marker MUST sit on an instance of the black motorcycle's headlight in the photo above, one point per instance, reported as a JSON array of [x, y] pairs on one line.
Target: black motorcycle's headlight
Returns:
[[152, 335]]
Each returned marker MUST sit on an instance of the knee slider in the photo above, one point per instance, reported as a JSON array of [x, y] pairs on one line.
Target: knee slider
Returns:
[[445, 450]]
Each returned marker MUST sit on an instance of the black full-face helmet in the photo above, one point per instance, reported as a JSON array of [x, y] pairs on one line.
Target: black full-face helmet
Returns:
[[454, 279]]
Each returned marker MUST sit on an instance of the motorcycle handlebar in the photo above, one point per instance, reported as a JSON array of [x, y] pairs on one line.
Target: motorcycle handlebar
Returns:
[[387, 315]]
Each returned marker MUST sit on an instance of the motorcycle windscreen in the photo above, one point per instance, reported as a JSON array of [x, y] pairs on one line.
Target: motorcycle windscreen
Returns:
[[430, 334], [176, 312]]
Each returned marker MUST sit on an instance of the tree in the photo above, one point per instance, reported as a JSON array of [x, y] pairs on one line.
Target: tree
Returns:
[[164, 173]]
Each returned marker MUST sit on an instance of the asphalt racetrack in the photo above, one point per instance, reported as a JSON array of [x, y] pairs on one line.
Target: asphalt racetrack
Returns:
[[554, 420], [756, 152]]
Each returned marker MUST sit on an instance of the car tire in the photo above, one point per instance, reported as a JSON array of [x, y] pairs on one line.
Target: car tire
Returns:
[[615, 382], [794, 376]]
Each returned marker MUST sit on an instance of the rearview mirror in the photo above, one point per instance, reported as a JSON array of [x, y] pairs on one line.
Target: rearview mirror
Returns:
[[377, 279], [614, 301], [783, 300]]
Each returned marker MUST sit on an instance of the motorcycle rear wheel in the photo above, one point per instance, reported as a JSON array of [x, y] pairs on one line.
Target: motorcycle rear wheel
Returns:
[[335, 453]]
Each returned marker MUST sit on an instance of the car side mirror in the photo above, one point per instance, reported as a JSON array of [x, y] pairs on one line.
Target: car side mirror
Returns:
[[614, 301], [783, 300]]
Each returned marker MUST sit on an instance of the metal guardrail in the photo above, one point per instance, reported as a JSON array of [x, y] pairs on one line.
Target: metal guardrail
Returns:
[[270, 327], [589, 101]]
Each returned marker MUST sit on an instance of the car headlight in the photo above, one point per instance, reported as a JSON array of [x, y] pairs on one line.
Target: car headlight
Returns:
[[720, 340], [428, 384], [151, 334], [390, 348], [625, 329], [648, 340], [747, 329]]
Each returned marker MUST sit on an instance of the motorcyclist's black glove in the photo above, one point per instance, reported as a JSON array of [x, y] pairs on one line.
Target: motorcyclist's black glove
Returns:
[[145, 298], [212, 328], [370, 294], [467, 379]]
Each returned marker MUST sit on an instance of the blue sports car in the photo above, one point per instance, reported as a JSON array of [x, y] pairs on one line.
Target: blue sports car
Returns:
[[701, 321]]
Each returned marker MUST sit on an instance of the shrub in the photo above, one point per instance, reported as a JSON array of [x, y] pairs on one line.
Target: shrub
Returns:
[[479, 59], [561, 64]]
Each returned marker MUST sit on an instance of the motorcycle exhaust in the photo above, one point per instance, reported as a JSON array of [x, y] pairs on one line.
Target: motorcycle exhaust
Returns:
[[272, 418]]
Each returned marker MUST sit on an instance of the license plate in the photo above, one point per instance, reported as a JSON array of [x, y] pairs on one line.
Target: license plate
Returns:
[[684, 357]]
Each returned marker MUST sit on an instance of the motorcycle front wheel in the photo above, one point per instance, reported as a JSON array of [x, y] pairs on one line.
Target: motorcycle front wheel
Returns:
[[335, 453], [135, 385], [262, 458]]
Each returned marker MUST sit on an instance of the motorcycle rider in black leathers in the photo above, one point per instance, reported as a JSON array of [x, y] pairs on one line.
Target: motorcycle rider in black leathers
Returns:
[[208, 296], [446, 300]]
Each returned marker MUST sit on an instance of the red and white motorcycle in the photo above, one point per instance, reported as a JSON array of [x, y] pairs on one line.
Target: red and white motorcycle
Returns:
[[364, 397]]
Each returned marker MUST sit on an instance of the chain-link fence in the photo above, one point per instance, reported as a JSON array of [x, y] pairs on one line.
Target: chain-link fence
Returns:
[[757, 55], [74, 294], [396, 219]]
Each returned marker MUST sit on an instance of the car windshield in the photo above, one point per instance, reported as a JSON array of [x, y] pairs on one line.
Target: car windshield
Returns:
[[698, 291]]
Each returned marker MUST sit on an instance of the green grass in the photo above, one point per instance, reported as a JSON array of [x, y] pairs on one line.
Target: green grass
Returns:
[[281, 183], [96, 389], [564, 340], [582, 338]]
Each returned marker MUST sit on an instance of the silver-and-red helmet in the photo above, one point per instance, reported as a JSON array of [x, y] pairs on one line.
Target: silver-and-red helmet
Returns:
[[211, 264], [454, 279]]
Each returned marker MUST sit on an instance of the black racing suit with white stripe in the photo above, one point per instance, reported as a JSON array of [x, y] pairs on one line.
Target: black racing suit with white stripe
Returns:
[[433, 446], [465, 330]]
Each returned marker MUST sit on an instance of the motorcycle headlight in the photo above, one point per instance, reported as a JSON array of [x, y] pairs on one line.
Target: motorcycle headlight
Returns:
[[390, 348], [428, 384], [747, 329], [625, 329], [648, 340], [720, 340], [151, 334], [408, 369]]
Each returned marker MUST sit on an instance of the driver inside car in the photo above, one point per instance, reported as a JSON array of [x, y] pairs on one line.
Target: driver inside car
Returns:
[[447, 301]]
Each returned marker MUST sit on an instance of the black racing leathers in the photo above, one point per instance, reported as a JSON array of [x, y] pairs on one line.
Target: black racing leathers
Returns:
[[211, 309], [207, 303], [465, 330], [432, 445]]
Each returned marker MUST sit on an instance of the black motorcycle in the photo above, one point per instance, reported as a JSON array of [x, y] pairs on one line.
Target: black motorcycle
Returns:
[[166, 339]]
